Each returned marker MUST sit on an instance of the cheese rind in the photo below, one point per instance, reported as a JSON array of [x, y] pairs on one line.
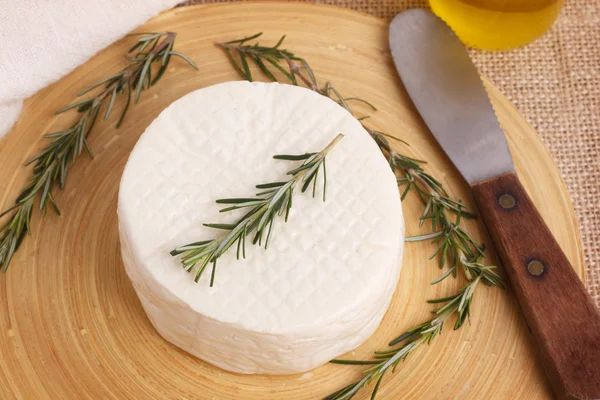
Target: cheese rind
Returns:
[[325, 282]]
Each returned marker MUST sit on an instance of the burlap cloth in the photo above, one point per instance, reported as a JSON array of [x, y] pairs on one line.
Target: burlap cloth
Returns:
[[555, 83]]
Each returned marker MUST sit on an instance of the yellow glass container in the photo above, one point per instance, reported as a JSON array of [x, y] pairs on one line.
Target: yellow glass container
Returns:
[[498, 24]]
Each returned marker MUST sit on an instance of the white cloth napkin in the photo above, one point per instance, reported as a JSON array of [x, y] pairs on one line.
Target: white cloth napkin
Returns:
[[43, 40]]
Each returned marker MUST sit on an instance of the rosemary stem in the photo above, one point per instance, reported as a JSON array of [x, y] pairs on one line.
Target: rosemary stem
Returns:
[[423, 182], [295, 68], [430, 190], [333, 143], [460, 253]]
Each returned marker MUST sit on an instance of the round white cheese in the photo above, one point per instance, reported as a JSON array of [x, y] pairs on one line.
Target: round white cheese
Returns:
[[327, 278]]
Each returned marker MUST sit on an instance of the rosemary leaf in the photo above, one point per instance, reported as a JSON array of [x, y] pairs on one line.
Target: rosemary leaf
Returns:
[[424, 237], [184, 57]]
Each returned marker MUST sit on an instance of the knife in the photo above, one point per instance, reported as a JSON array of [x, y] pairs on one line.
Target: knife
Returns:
[[446, 89]]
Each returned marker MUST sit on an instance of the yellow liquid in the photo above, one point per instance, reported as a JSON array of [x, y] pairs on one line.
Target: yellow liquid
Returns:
[[497, 24]]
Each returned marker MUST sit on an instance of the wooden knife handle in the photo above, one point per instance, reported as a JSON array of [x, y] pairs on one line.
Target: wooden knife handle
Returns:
[[558, 309]]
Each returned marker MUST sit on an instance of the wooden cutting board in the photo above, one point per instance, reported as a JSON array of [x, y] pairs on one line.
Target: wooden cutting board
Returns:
[[71, 326]]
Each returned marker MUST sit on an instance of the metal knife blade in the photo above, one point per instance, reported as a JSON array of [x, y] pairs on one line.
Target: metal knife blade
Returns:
[[445, 87]]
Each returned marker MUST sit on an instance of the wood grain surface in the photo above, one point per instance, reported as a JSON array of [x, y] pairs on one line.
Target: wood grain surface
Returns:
[[71, 326]]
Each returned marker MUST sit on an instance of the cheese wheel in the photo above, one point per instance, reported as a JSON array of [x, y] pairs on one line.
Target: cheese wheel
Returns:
[[328, 276]]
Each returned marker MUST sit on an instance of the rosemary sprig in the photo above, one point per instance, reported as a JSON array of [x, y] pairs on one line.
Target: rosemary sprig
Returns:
[[273, 200], [51, 165], [384, 361], [454, 244], [297, 70]]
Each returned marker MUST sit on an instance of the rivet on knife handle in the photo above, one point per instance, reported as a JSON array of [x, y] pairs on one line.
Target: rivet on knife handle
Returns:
[[507, 201], [563, 319]]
